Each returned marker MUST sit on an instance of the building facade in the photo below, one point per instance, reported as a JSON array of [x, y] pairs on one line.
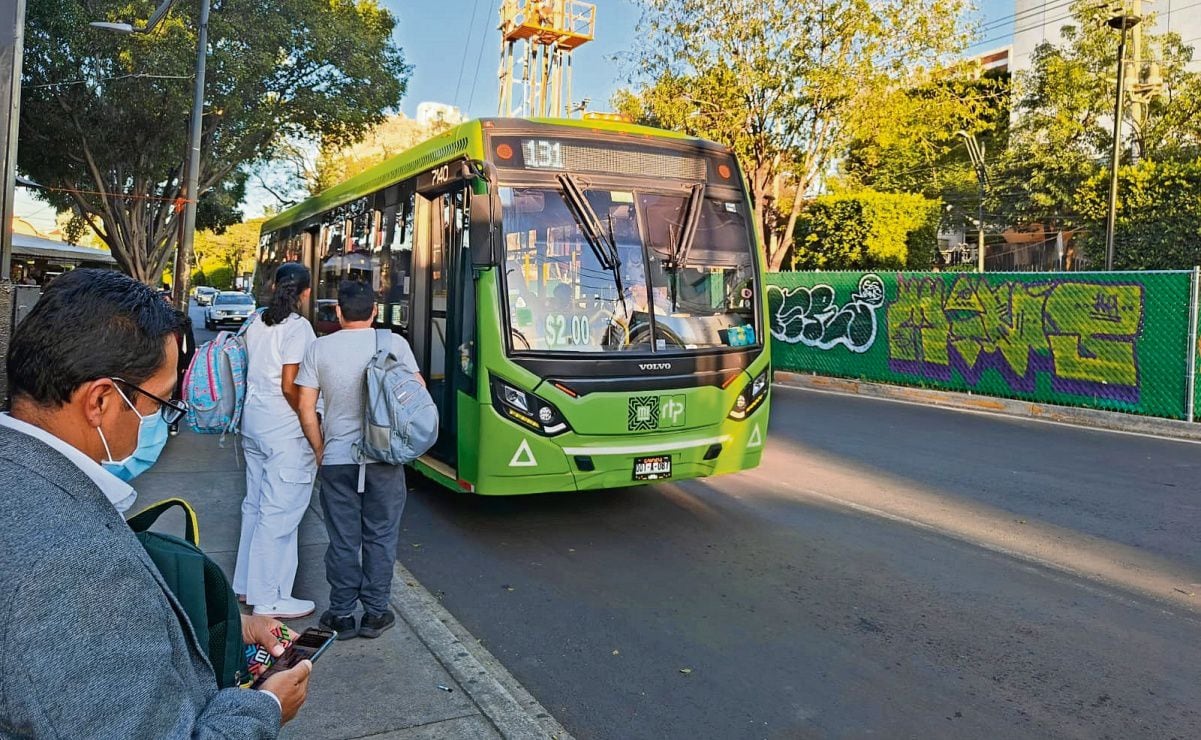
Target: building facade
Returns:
[[1039, 21]]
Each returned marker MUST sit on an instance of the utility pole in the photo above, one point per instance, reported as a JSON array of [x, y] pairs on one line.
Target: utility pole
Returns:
[[1122, 22], [12, 51]]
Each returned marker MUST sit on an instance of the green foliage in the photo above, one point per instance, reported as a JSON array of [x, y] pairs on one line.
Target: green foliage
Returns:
[[1063, 133], [104, 116], [234, 249], [867, 230], [785, 83], [217, 274], [1159, 218], [917, 146]]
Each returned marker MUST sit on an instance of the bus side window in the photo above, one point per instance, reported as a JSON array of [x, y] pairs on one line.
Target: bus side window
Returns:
[[396, 263]]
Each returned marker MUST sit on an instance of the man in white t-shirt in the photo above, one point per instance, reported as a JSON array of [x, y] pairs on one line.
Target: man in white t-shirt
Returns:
[[335, 368]]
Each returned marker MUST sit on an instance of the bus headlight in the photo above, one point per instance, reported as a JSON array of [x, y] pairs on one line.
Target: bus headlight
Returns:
[[527, 409], [752, 396]]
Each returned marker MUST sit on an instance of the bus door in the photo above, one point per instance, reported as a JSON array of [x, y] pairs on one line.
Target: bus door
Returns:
[[441, 217]]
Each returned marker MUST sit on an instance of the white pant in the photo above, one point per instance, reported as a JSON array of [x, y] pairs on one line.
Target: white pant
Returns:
[[279, 485]]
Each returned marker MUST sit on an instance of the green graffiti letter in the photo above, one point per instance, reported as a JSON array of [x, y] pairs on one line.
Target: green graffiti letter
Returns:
[[1092, 329], [917, 327]]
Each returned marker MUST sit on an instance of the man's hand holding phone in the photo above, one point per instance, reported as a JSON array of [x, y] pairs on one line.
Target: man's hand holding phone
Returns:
[[287, 678], [291, 687]]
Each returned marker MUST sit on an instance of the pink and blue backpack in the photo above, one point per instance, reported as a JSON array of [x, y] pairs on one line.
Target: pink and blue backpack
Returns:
[[215, 383]]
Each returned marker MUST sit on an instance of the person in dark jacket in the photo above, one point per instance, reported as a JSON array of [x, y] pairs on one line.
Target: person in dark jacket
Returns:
[[93, 643]]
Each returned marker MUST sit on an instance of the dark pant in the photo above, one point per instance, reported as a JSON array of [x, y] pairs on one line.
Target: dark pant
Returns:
[[368, 521]]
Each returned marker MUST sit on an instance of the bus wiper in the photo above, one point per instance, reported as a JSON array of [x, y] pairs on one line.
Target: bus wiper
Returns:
[[590, 224], [692, 216]]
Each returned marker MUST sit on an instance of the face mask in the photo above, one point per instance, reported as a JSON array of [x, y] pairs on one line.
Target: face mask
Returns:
[[152, 437]]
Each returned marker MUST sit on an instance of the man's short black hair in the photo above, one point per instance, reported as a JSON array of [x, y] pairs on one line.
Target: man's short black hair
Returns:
[[88, 324], [356, 300]]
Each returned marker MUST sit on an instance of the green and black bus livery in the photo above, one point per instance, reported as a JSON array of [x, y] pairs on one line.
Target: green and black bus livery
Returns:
[[584, 299]]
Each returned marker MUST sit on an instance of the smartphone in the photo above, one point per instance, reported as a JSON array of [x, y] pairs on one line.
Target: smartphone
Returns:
[[309, 646]]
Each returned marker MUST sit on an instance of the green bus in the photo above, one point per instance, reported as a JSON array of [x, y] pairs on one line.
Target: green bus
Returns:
[[584, 297]]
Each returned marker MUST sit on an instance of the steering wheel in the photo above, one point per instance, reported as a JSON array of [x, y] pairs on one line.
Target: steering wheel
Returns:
[[642, 335], [518, 335]]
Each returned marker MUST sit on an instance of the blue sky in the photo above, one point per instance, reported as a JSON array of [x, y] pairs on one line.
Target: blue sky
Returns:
[[440, 39], [455, 60]]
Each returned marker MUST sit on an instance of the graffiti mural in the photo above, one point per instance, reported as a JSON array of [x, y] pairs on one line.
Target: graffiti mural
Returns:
[[1082, 334], [811, 315]]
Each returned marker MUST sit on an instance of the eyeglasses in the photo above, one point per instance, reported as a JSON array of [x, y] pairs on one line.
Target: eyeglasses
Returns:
[[172, 411]]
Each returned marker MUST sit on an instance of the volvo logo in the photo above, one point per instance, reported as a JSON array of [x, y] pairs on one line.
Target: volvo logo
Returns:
[[648, 366]]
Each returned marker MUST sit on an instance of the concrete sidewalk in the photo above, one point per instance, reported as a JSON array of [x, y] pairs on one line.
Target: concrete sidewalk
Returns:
[[394, 686]]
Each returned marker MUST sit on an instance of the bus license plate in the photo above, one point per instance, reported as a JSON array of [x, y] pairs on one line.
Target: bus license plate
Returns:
[[652, 468]]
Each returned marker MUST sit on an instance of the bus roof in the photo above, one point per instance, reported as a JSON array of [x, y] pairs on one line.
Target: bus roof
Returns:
[[464, 139], [36, 246]]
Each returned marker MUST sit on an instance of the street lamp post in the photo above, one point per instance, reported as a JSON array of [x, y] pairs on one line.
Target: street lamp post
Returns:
[[183, 254], [1122, 22], [976, 152]]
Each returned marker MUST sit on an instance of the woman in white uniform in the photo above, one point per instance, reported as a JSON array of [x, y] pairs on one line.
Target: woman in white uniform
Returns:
[[279, 461]]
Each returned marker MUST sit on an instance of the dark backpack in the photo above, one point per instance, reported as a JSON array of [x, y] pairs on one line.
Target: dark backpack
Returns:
[[199, 586]]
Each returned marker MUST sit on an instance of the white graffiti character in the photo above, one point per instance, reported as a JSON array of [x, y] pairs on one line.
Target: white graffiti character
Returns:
[[811, 316]]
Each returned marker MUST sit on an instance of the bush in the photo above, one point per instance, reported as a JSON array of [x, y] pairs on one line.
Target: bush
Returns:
[[1159, 216], [867, 230]]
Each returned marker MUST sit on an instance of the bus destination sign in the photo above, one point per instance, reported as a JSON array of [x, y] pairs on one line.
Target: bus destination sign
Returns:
[[541, 154]]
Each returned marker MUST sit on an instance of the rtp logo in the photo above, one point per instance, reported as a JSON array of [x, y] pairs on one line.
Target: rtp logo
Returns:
[[671, 411], [647, 413]]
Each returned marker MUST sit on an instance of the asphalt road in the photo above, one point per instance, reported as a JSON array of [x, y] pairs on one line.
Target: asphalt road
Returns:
[[890, 570]]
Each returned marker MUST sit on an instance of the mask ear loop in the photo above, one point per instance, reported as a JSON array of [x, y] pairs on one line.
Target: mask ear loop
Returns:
[[100, 431]]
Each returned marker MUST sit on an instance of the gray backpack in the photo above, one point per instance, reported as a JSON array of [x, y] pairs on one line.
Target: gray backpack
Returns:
[[400, 421]]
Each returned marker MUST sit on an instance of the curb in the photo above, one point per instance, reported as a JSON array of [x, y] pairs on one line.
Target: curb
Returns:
[[511, 709], [508, 706], [1113, 421]]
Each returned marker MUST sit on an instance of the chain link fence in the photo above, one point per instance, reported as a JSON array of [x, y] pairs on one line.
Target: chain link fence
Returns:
[[1115, 341]]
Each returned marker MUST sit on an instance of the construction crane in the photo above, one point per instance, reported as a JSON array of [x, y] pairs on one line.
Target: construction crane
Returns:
[[537, 41]]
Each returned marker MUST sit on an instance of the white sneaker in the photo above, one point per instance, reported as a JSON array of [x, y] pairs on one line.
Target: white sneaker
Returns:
[[286, 608]]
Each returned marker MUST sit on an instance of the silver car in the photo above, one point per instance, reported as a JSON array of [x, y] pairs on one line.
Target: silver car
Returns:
[[229, 307], [204, 295]]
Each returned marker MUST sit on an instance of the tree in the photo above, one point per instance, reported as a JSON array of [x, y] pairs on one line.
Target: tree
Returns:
[[784, 83], [918, 147], [306, 168], [235, 248], [1062, 136], [104, 116]]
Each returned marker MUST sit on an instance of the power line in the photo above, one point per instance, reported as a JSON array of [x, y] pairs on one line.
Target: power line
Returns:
[[475, 79], [134, 76], [1024, 15], [475, 6]]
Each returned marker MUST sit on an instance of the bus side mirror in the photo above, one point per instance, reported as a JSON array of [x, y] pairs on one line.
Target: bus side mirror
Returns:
[[483, 230]]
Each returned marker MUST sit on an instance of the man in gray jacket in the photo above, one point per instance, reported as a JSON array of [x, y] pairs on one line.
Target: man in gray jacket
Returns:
[[92, 642]]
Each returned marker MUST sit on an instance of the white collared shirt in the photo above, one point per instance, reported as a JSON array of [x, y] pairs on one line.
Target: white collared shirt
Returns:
[[117, 491]]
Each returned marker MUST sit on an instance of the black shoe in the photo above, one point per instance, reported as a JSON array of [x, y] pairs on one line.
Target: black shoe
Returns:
[[344, 626], [375, 624]]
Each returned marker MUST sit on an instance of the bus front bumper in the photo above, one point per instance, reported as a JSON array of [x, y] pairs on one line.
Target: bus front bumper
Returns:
[[518, 462]]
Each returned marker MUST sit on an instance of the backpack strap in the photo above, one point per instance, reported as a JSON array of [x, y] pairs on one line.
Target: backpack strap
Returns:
[[383, 347], [146, 518], [258, 313]]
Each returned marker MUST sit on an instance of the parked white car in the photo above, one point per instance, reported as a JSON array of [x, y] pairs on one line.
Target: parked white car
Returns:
[[230, 307]]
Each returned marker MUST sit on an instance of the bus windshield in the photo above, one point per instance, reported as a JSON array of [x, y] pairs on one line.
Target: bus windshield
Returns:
[[565, 293]]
